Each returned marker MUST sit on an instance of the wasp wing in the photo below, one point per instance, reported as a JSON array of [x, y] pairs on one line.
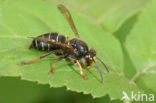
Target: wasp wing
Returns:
[[68, 17], [48, 41]]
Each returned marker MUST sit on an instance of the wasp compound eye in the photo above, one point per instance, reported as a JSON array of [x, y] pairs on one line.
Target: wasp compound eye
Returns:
[[92, 53]]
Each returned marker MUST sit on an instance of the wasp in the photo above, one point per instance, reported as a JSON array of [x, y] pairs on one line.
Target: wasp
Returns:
[[73, 49]]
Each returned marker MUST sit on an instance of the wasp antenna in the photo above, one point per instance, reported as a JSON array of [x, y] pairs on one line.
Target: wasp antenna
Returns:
[[98, 71], [103, 64]]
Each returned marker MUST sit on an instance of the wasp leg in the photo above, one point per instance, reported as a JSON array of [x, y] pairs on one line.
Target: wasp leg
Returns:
[[80, 68], [51, 71], [39, 58], [30, 46]]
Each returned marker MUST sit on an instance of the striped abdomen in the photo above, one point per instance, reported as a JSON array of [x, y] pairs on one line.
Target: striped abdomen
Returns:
[[47, 47]]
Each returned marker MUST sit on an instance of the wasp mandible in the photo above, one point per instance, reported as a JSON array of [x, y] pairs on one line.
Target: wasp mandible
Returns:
[[73, 49]]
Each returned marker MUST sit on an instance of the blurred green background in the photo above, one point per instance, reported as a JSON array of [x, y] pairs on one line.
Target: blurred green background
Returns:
[[15, 90]]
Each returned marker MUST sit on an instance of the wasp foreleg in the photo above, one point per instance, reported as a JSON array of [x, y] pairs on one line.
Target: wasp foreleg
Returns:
[[39, 58], [80, 68]]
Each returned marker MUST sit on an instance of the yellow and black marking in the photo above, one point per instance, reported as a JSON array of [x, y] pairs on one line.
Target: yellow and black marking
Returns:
[[49, 44], [90, 62], [55, 37]]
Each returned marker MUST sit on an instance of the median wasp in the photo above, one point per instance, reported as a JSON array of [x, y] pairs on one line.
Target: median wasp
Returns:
[[73, 49]]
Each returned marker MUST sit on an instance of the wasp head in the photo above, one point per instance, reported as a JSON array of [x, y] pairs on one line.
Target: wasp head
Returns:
[[90, 60], [90, 57]]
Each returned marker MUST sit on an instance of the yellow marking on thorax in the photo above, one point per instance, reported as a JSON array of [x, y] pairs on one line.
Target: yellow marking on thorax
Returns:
[[67, 40]]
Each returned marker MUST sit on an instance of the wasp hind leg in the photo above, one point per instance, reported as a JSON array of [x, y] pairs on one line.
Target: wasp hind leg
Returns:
[[51, 71], [30, 47], [80, 68], [38, 58]]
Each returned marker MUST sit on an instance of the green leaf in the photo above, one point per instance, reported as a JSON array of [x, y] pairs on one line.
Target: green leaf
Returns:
[[141, 45], [26, 18], [111, 14], [13, 90], [18, 91], [121, 34]]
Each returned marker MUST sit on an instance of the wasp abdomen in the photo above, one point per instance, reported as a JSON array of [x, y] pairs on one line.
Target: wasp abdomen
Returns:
[[55, 37]]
